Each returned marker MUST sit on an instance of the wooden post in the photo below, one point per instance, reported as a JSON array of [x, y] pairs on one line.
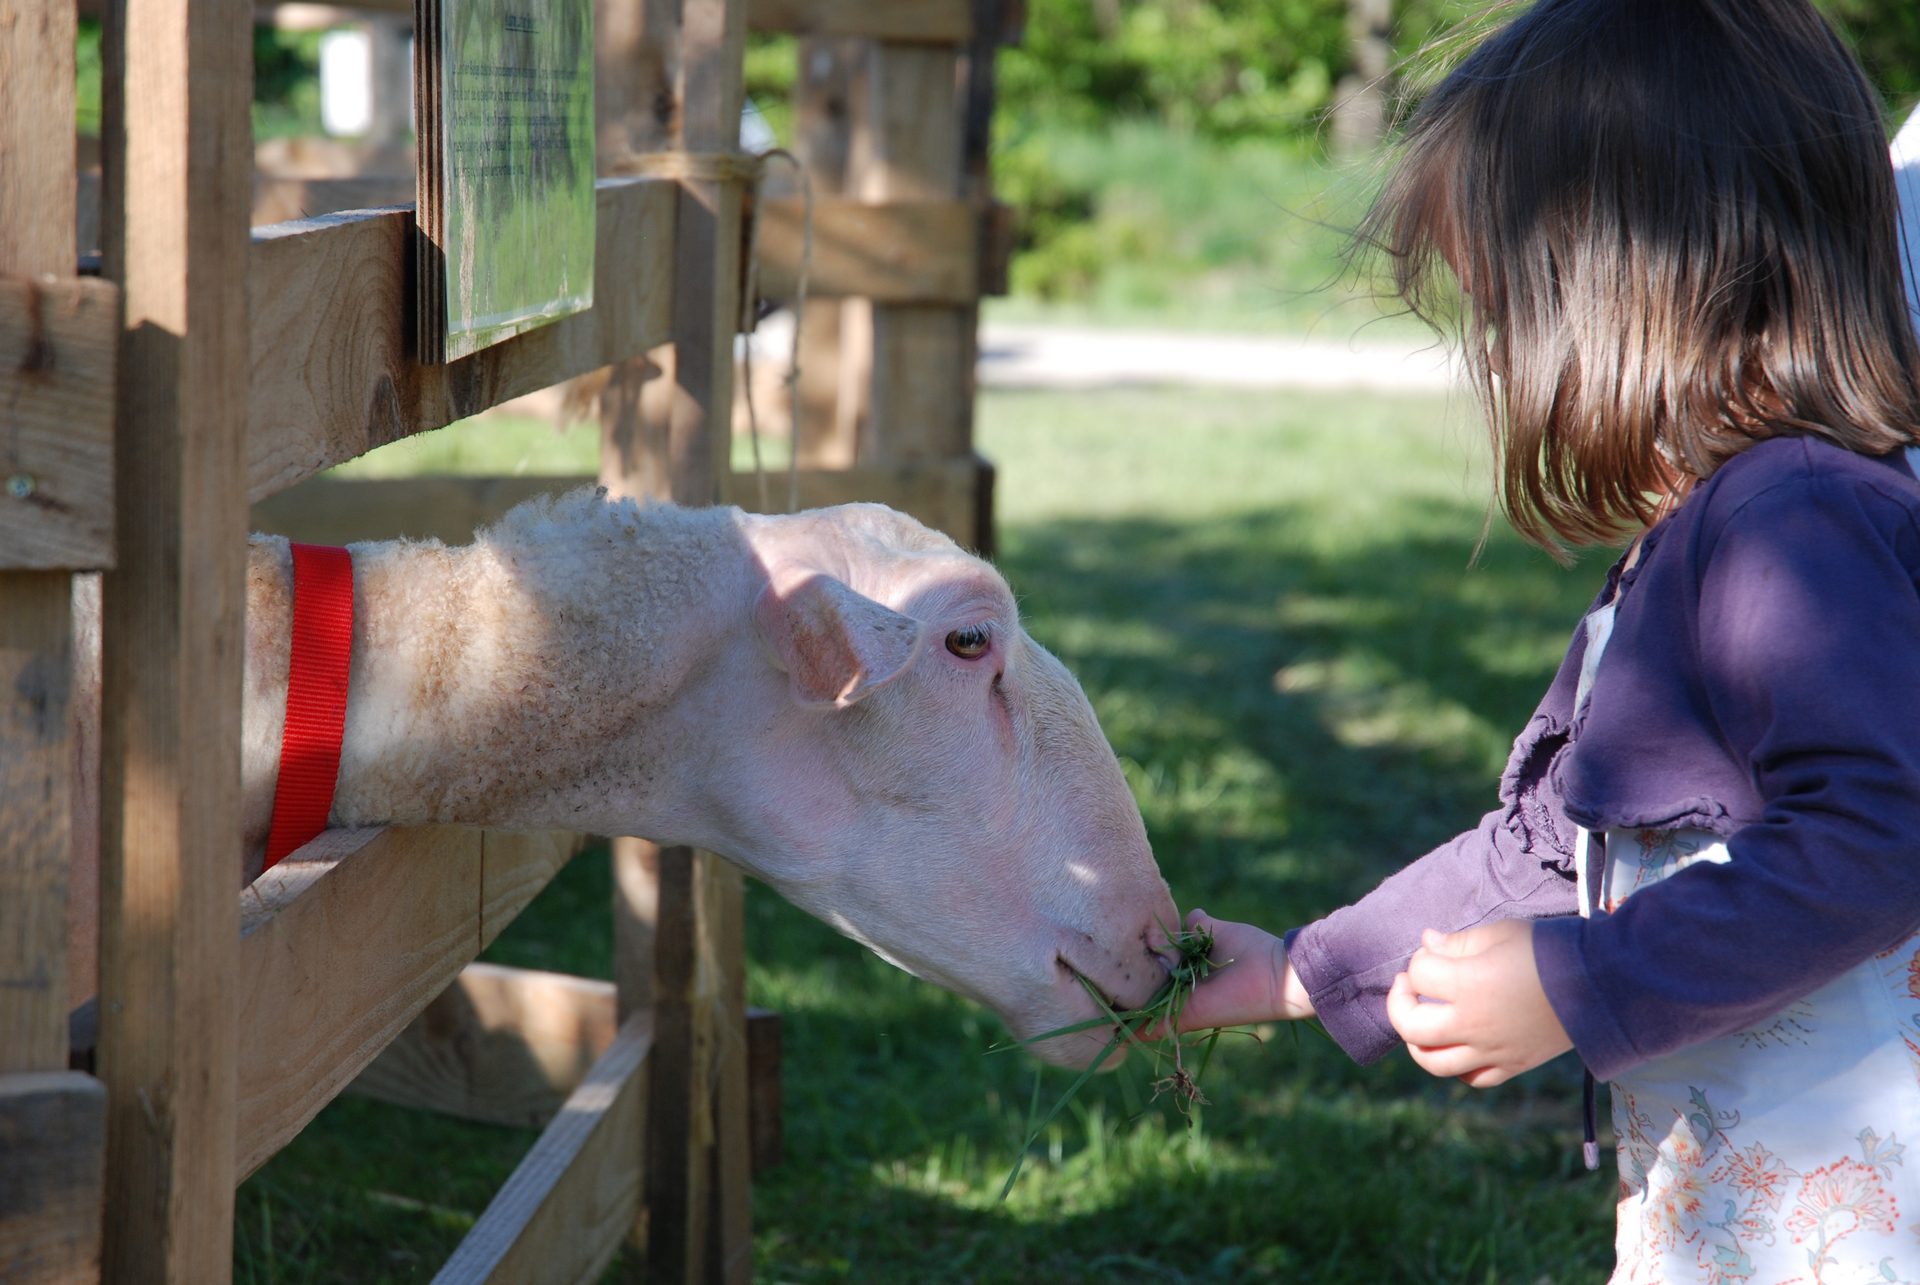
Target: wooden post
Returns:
[[826, 435], [666, 433], [178, 160], [907, 146], [52, 1121], [36, 625]]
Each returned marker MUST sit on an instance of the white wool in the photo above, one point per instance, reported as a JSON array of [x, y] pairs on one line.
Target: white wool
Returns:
[[614, 667]]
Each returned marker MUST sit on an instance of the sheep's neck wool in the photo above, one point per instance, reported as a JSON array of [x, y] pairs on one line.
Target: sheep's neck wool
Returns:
[[316, 696]]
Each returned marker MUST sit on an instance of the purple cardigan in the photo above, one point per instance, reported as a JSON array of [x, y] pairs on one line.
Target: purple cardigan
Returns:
[[1762, 682]]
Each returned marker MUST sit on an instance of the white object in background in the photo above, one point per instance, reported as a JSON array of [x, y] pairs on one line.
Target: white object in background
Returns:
[[1906, 177], [346, 82], [755, 134]]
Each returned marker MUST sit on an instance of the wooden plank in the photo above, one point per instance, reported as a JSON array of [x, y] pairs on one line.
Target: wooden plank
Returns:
[[36, 136], [562, 1215], [333, 373], [508, 1045], [907, 147], [897, 252], [37, 749], [940, 493], [35, 819], [500, 1045], [827, 434], [176, 109], [698, 1220], [53, 1138], [943, 22], [59, 344], [345, 942]]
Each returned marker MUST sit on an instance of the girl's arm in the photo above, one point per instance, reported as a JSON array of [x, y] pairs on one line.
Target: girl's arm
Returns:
[[1807, 644]]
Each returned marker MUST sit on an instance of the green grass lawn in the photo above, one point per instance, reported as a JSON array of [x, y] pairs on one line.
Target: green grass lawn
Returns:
[[1273, 603]]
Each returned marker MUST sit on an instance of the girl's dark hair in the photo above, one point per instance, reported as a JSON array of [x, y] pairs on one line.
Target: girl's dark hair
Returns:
[[1673, 225]]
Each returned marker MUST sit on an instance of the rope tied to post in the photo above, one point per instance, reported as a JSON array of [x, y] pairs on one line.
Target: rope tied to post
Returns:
[[749, 168]]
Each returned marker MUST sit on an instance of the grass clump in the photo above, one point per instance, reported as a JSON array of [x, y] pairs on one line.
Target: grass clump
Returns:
[[1153, 1030]]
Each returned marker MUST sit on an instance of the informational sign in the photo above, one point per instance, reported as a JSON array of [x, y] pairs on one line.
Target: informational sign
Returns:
[[504, 110]]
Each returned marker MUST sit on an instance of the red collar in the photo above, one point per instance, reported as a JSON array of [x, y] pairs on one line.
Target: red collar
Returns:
[[316, 696]]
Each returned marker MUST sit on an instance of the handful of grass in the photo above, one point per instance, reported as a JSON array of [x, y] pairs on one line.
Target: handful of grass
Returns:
[[1166, 1049]]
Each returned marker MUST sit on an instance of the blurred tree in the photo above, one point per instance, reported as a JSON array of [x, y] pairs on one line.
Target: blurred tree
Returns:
[[1230, 68], [1358, 115]]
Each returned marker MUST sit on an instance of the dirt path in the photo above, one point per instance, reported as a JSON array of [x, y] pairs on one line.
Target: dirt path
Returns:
[[1029, 356]]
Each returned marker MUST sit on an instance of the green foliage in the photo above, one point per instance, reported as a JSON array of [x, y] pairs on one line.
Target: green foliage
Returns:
[[1886, 34], [286, 81]]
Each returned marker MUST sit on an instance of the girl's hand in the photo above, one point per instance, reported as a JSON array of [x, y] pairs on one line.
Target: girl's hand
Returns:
[[1492, 1019], [1258, 986]]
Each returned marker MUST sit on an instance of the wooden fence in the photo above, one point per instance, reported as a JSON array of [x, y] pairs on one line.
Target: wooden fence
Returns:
[[207, 369]]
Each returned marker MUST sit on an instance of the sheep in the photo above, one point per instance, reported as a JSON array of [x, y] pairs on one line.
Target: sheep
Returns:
[[841, 701]]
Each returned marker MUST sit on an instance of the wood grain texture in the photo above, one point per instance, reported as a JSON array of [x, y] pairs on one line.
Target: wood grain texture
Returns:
[[36, 649], [59, 344], [36, 137], [53, 1139], [562, 1216], [333, 373], [177, 100], [36, 669], [509, 1045], [907, 147], [345, 942], [500, 1045], [667, 438], [898, 252], [830, 406], [943, 22]]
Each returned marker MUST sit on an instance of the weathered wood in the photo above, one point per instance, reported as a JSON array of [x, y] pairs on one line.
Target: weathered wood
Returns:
[[36, 733], [508, 1045], [673, 449], [176, 104], [52, 1143], [830, 407], [900, 252], [59, 343], [940, 493], [730, 1218], [766, 1112], [345, 942], [35, 819], [940, 22], [906, 147], [333, 373], [500, 1045], [36, 137], [562, 1215]]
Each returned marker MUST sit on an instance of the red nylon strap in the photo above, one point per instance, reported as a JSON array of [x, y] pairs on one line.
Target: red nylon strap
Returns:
[[316, 696]]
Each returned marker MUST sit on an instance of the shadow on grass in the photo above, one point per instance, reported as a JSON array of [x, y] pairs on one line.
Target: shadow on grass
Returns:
[[1298, 716]]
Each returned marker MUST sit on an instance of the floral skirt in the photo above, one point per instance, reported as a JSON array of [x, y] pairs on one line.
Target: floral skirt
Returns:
[[1775, 1154]]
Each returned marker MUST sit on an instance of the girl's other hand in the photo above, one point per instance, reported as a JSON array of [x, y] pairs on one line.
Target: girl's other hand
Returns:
[[1488, 1018], [1257, 986]]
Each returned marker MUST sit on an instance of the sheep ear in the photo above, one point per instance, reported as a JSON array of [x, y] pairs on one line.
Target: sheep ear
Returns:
[[836, 645]]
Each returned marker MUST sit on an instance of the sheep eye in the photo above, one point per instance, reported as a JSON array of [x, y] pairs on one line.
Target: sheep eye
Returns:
[[969, 643]]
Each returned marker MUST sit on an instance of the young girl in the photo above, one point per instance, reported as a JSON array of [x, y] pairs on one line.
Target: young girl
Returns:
[[1672, 225]]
